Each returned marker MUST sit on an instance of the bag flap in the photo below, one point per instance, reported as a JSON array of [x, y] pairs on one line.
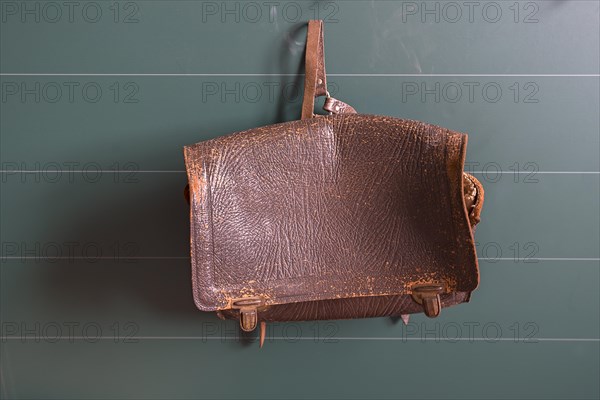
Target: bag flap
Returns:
[[330, 207]]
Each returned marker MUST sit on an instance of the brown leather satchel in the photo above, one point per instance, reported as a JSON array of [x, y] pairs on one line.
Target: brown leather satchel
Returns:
[[332, 216]]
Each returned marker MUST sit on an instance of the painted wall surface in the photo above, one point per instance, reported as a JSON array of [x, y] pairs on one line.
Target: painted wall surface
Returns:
[[98, 98]]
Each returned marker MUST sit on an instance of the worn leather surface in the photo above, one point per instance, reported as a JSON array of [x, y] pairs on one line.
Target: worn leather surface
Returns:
[[333, 207], [357, 307]]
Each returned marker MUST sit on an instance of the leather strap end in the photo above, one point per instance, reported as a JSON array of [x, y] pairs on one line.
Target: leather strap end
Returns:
[[319, 53], [315, 81], [336, 106]]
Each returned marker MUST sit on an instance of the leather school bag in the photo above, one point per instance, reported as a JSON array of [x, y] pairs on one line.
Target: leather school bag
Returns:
[[334, 216]]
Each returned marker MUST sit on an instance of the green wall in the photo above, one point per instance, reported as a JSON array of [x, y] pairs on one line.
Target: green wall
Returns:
[[98, 98]]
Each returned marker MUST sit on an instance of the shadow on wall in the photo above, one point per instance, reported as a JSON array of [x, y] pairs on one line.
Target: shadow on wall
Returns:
[[294, 42], [154, 293], [125, 228], [154, 215]]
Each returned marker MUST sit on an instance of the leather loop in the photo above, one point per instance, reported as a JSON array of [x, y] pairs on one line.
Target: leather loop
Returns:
[[474, 201], [315, 80]]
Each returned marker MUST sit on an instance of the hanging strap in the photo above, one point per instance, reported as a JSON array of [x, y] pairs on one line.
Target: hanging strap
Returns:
[[315, 80]]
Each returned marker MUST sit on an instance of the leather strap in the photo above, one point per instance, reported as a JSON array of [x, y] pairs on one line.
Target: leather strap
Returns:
[[315, 80]]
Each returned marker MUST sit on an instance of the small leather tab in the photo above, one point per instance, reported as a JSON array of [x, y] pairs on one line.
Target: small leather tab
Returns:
[[336, 106], [263, 333], [432, 306]]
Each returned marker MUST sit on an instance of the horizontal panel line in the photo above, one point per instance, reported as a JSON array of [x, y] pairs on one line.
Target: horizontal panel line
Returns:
[[534, 259], [358, 75], [91, 171], [290, 339], [355, 1], [110, 171], [117, 258], [494, 172]]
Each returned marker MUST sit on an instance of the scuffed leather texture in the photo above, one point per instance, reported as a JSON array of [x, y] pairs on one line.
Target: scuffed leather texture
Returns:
[[357, 307], [346, 206]]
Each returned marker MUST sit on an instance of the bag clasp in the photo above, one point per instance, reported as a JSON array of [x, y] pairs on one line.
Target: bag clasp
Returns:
[[429, 297], [248, 307]]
